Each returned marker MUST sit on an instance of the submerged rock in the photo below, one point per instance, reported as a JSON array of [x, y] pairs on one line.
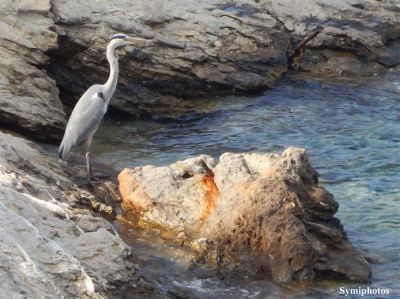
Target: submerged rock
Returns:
[[258, 214], [51, 245]]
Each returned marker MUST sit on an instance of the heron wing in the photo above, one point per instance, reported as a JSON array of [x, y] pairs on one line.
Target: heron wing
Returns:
[[84, 119]]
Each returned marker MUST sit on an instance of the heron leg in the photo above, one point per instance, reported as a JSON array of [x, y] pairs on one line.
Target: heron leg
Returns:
[[89, 171]]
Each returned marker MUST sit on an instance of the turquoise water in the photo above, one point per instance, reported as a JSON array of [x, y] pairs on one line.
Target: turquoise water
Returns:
[[351, 131]]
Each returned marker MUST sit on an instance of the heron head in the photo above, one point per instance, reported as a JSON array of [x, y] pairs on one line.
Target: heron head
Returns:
[[120, 40]]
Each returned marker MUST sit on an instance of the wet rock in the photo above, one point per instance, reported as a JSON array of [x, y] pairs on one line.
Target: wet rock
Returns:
[[29, 101], [251, 213], [51, 246]]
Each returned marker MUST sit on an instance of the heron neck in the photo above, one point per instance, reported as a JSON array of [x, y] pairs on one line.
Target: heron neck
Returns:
[[111, 84]]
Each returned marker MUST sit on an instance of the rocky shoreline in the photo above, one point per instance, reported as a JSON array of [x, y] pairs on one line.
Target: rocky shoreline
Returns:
[[51, 51], [53, 244]]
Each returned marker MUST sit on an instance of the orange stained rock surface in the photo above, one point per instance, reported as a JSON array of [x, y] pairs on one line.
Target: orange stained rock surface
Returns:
[[134, 199], [210, 196]]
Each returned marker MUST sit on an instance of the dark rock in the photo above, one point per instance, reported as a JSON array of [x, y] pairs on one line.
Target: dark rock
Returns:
[[210, 51], [29, 100], [218, 47]]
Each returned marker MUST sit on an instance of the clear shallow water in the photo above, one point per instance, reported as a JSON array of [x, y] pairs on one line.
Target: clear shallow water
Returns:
[[352, 133]]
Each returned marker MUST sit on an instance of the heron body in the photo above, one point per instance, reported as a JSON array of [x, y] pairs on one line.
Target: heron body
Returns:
[[84, 120], [92, 106]]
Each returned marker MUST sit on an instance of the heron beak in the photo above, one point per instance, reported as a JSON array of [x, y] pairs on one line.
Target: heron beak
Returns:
[[138, 41]]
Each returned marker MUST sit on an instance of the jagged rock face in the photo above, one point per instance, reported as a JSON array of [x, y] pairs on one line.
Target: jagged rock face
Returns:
[[52, 247], [221, 52], [219, 47], [222, 46], [29, 100], [275, 220], [358, 37], [262, 214]]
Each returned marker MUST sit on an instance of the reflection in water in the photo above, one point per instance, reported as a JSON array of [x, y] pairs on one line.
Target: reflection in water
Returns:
[[352, 133]]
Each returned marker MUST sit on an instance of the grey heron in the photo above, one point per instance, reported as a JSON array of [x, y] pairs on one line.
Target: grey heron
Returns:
[[92, 106]]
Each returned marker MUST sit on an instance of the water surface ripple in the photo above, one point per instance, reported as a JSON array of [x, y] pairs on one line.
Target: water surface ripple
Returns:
[[351, 131]]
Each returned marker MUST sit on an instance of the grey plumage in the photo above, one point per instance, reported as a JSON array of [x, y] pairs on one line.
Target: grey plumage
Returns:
[[92, 106], [84, 120]]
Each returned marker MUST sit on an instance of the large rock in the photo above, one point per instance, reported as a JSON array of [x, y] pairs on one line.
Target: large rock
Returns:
[[259, 214], [51, 246], [220, 46], [29, 100], [215, 51]]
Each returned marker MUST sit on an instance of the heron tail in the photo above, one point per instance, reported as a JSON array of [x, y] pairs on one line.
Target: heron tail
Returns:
[[61, 154], [64, 150]]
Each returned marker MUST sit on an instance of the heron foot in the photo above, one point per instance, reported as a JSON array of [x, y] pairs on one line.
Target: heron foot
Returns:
[[90, 184], [91, 180], [101, 175]]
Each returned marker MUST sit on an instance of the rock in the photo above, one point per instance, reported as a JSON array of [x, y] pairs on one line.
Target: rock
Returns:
[[177, 198], [215, 51], [29, 101], [358, 37], [50, 245], [219, 47], [207, 47], [210, 47], [251, 213]]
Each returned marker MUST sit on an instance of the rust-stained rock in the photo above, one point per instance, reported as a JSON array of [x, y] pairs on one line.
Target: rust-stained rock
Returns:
[[257, 214], [178, 197]]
